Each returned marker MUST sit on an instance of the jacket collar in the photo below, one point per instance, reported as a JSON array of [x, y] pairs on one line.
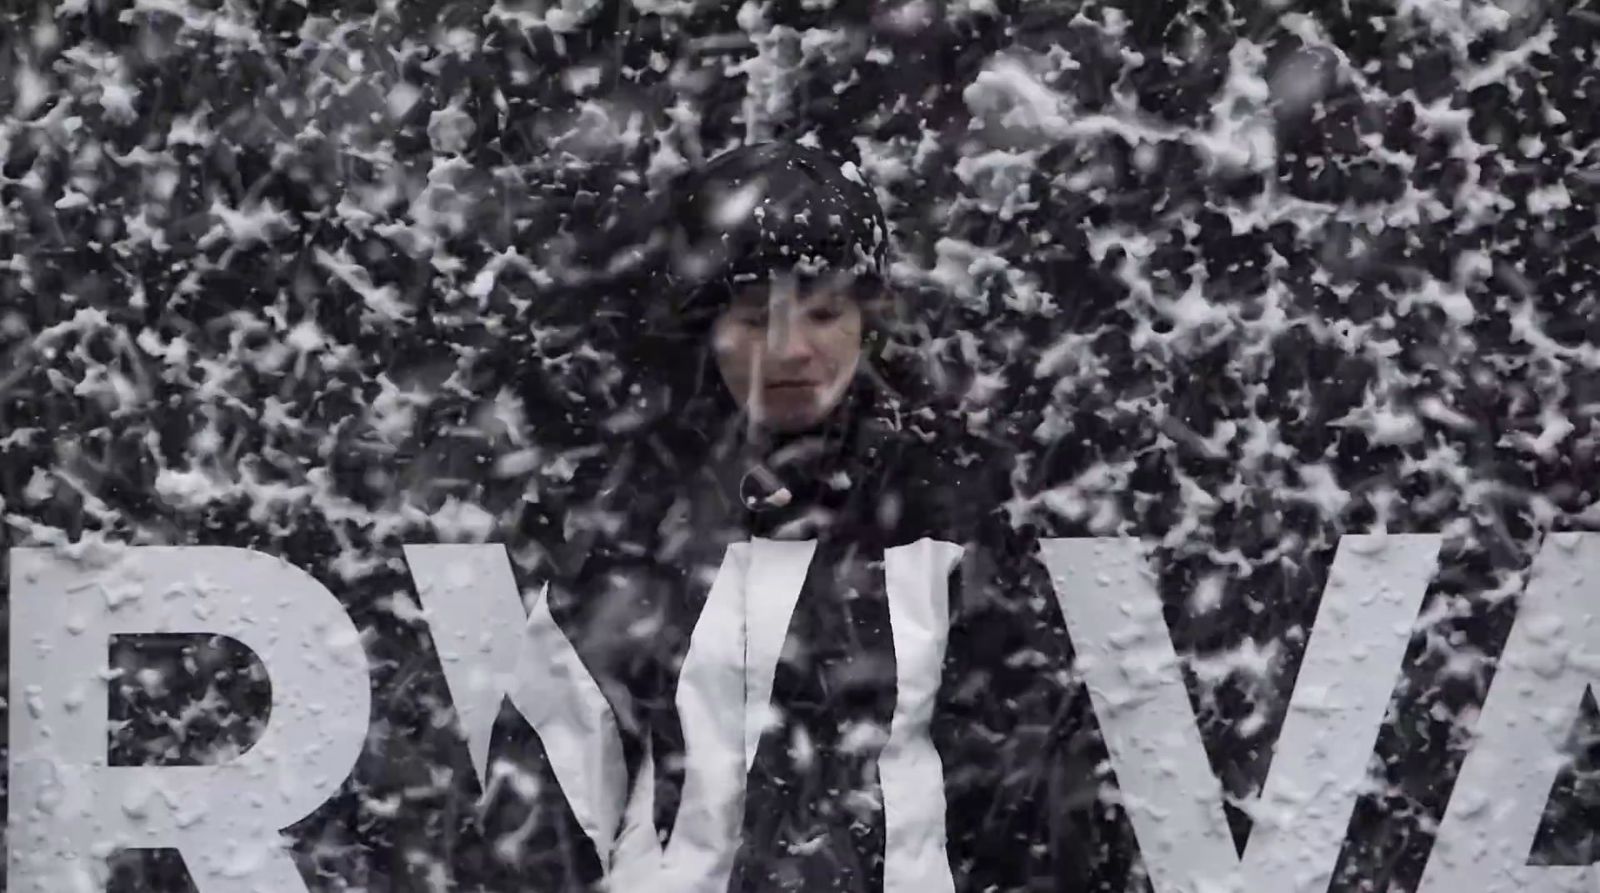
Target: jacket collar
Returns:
[[796, 483]]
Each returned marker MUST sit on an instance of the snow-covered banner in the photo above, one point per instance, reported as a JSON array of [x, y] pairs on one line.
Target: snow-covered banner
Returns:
[[923, 446]]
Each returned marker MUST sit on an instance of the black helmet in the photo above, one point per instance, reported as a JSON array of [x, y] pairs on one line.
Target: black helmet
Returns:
[[772, 207]]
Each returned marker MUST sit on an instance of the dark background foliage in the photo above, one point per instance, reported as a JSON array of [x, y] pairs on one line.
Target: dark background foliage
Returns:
[[1237, 278]]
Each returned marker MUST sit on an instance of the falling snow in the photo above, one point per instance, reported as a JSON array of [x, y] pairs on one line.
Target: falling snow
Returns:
[[1236, 279]]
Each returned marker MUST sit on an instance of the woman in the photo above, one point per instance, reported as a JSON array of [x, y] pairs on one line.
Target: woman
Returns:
[[836, 667]]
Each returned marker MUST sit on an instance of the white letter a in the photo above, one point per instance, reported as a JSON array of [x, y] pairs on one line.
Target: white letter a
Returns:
[[1352, 661]]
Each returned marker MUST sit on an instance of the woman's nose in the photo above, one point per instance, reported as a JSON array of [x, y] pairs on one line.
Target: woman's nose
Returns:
[[788, 342]]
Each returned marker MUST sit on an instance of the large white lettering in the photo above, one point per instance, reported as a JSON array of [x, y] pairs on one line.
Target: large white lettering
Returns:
[[492, 650], [69, 809], [1126, 657], [735, 646], [1550, 659], [724, 699], [917, 578]]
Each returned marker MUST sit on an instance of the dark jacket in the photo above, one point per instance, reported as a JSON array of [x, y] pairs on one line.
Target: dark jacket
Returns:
[[864, 482]]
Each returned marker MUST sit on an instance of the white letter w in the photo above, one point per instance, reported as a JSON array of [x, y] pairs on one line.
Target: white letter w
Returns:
[[491, 650]]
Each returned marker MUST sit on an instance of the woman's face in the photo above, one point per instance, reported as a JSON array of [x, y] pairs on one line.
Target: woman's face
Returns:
[[787, 355]]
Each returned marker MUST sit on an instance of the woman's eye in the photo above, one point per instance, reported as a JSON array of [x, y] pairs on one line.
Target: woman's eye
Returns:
[[825, 314]]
